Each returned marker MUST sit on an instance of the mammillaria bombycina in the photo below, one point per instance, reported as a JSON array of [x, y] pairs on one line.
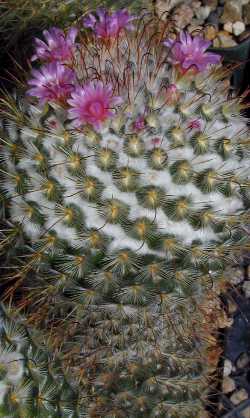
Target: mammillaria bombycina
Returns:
[[125, 173]]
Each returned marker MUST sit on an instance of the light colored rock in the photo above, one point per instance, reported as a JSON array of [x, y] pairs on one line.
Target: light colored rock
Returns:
[[228, 367], [246, 412], [236, 275], [238, 28], [232, 12], [228, 27], [172, 3], [211, 3], [246, 288], [182, 16], [203, 414], [243, 361], [162, 6], [228, 385], [239, 396], [210, 32], [195, 29], [226, 41], [216, 43], [232, 307], [195, 5], [203, 12]]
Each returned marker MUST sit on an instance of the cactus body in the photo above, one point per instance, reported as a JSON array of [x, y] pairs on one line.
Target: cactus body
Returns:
[[130, 225], [32, 382]]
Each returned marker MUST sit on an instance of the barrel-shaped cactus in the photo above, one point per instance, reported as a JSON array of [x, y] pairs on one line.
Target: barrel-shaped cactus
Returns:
[[125, 170]]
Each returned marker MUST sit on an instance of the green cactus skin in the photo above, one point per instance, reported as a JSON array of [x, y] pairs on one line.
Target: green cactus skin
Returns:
[[125, 231]]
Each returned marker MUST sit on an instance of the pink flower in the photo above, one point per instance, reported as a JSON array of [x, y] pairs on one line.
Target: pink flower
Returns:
[[194, 124], [190, 52], [109, 25], [53, 82], [92, 104], [139, 123], [58, 46]]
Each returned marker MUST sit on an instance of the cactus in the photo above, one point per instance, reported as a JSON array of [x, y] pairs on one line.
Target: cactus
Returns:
[[124, 168], [32, 381]]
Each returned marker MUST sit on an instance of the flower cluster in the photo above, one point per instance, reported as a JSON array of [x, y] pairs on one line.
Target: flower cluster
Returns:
[[89, 103], [107, 26], [188, 52], [92, 102]]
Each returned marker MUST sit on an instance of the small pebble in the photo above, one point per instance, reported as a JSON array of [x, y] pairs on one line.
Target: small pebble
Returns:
[[246, 412], [228, 27], [195, 5], [246, 288], [243, 361], [238, 28], [246, 14], [228, 367], [203, 12], [236, 276], [211, 3], [214, 18], [228, 385], [216, 43], [239, 396], [210, 32], [226, 41], [182, 16], [195, 29], [232, 307], [232, 12]]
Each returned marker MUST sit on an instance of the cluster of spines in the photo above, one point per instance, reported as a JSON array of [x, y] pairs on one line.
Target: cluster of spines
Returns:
[[127, 180], [37, 385]]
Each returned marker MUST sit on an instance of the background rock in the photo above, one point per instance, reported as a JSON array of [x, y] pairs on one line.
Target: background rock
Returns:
[[246, 412], [238, 28], [246, 14], [211, 3], [224, 40], [239, 396], [228, 385], [228, 27], [246, 288], [243, 361], [228, 367], [182, 16], [232, 11], [210, 32]]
